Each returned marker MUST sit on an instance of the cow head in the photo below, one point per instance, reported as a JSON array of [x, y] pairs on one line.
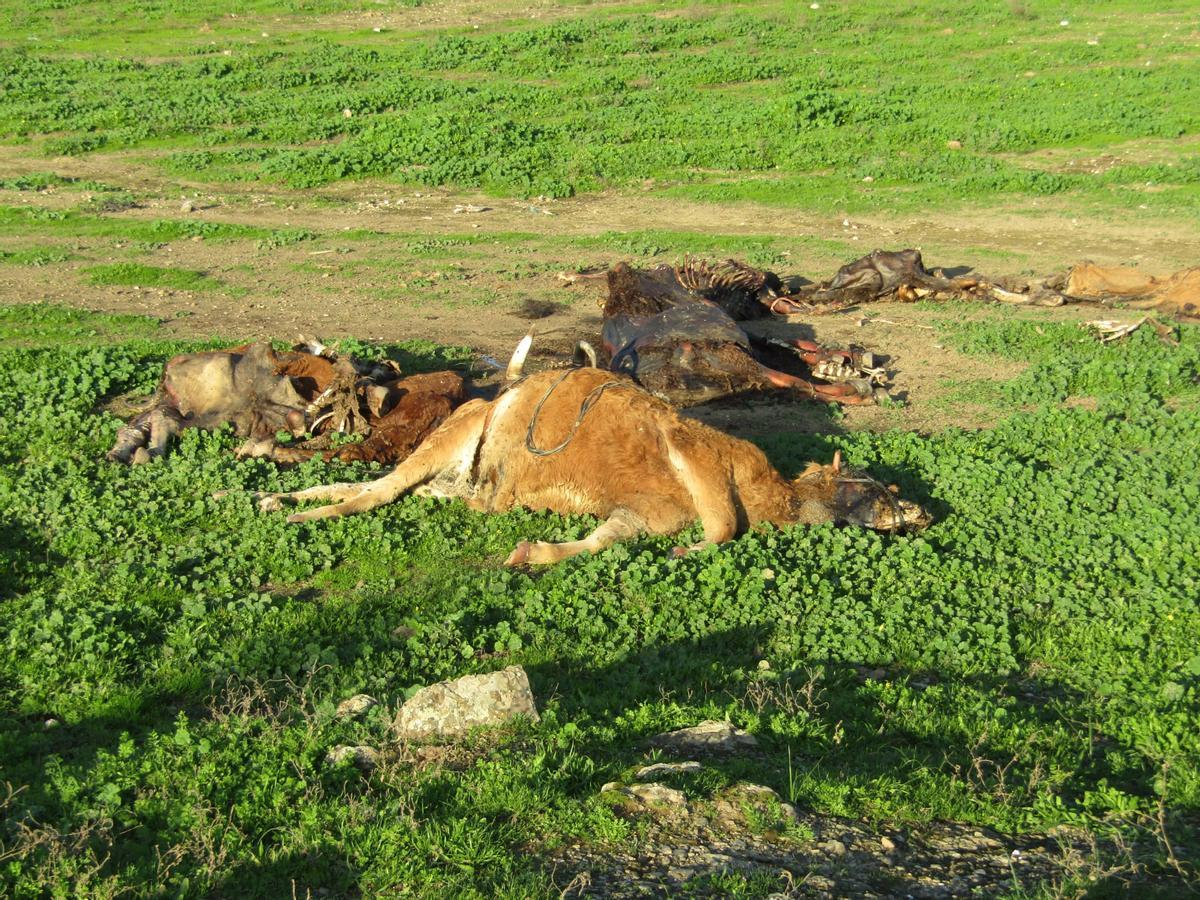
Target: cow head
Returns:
[[835, 494]]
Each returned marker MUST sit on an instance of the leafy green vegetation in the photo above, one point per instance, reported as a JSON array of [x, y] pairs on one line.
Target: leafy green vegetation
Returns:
[[34, 256], [150, 276], [758, 101], [171, 662]]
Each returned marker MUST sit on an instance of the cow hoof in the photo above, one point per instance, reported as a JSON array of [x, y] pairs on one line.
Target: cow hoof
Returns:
[[270, 504], [520, 554]]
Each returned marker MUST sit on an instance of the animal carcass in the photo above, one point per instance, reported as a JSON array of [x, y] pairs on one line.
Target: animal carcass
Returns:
[[1177, 294], [590, 441], [261, 392], [673, 330], [252, 388]]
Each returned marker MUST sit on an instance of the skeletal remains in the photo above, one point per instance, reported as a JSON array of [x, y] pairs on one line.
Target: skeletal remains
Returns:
[[603, 439], [673, 330], [261, 392]]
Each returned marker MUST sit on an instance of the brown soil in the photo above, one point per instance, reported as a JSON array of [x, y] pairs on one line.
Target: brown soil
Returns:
[[372, 288]]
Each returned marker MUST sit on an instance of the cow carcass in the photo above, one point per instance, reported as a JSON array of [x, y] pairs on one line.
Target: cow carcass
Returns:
[[673, 330], [1177, 294], [901, 275], [260, 392], [880, 275], [588, 441]]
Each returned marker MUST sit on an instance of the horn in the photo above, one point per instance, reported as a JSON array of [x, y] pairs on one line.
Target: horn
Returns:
[[585, 353], [516, 365], [837, 462]]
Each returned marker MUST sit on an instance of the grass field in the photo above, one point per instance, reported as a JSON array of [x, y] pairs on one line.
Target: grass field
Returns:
[[171, 663]]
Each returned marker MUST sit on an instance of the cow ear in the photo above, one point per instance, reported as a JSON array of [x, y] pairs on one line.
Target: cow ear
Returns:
[[837, 462]]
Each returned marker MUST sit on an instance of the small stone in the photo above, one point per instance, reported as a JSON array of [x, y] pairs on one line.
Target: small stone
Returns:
[[834, 848], [887, 843], [355, 706], [814, 6], [868, 178], [954, 145], [377, 29], [365, 758], [187, 206], [612, 786], [50, 723], [658, 770], [347, 113], [710, 735], [1065, 22], [656, 794], [452, 708], [764, 665]]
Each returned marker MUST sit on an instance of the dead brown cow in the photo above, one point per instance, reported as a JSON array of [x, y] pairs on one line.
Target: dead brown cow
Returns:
[[411, 409], [673, 330], [251, 388], [589, 441], [260, 392], [1177, 294]]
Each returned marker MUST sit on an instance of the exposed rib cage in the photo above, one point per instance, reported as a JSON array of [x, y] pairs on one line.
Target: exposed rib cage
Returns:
[[701, 275]]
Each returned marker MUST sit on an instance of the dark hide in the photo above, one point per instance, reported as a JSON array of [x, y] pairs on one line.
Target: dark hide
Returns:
[[247, 387], [881, 274], [694, 352], [741, 291], [414, 406]]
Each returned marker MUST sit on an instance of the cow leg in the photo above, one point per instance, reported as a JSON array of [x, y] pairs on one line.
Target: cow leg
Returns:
[[620, 526], [843, 392], [709, 483], [130, 439], [813, 353], [164, 424], [451, 448]]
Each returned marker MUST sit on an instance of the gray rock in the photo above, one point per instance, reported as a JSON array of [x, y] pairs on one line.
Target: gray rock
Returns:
[[355, 706], [452, 708], [887, 843], [187, 206], [708, 736], [658, 770], [658, 794], [365, 758], [834, 848]]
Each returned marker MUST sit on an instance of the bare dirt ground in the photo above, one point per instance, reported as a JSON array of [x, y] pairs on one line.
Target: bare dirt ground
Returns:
[[374, 285]]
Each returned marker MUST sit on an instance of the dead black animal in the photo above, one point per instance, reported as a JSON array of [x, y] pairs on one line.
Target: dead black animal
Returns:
[[882, 274], [742, 291], [673, 329], [694, 352]]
